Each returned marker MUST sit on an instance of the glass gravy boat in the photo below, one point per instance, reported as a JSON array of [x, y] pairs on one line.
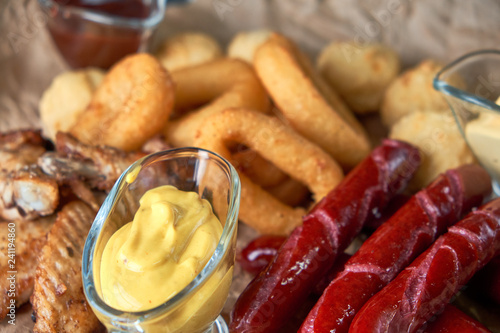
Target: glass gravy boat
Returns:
[[471, 85], [195, 308]]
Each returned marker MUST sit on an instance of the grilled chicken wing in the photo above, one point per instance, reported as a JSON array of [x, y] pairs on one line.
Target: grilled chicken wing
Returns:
[[27, 194], [59, 304], [30, 236], [100, 166], [20, 148]]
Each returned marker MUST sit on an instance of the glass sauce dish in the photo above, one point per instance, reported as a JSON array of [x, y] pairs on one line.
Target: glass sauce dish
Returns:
[[471, 85], [100, 32], [197, 307]]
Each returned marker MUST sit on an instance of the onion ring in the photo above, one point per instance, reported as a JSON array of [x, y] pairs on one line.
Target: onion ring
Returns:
[[132, 104], [308, 104], [221, 83], [290, 192], [278, 143], [258, 169]]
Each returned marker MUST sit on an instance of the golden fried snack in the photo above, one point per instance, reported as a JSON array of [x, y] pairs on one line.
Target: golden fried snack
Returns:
[[67, 97], [440, 143], [188, 49], [29, 240], [289, 192], [215, 86], [27, 193], [309, 105], [59, 303], [412, 91], [244, 44], [359, 73], [131, 105], [276, 142], [20, 149], [259, 170]]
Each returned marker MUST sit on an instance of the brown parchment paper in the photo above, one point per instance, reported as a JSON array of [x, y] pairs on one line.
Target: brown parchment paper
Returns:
[[417, 29]]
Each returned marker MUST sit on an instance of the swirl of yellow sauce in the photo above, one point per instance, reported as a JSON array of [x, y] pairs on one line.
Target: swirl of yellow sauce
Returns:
[[149, 260]]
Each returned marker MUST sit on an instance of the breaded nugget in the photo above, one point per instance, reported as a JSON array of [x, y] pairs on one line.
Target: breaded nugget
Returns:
[[244, 44], [66, 98], [412, 91], [360, 73], [188, 49], [440, 143], [130, 106]]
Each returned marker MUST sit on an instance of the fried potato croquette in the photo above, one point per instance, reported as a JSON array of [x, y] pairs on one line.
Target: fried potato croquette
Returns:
[[307, 103], [132, 104], [67, 97], [59, 303], [287, 150], [244, 44], [440, 143], [188, 49], [359, 73], [210, 88], [412, 91]]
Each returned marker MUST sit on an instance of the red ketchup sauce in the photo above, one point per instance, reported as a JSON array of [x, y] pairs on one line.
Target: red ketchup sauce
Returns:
[[259, 252], [84, 43]]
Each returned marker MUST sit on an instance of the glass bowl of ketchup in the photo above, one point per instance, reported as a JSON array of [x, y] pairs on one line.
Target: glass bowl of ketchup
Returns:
[[100, 32]]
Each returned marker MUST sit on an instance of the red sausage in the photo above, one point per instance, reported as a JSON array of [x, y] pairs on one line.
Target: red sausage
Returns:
[[259, 253], [396, 203], [310, 251], [427, 285], [395, 244], [452, 320], [337, 268], [487, 281]]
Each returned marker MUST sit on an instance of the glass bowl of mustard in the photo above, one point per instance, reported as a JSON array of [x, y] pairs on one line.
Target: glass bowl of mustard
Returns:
[[100, 32], [471, 86], [160, 254]]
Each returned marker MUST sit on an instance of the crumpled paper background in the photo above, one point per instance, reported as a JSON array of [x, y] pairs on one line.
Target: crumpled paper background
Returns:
[[417, 29]]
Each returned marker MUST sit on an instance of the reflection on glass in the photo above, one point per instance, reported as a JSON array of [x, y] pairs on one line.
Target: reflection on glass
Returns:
[[197, 307], [471, 85]]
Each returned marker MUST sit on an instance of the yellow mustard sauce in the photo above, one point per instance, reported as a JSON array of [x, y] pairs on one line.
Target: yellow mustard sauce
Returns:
[[149, 260], [483, 135]]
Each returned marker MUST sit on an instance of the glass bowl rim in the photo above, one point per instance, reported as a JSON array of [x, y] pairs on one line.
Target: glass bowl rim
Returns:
[[156, 16], [440, 85], [130, 317]]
